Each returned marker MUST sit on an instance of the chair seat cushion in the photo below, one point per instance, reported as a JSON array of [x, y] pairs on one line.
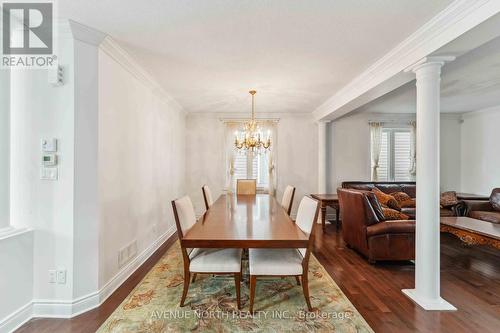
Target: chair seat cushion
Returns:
[[215, 260], [275, 262], [493, 217]]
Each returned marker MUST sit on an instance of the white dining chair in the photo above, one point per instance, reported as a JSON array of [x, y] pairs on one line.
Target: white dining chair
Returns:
[[286, 262], [287, 199], [203, 261], [207, 196]]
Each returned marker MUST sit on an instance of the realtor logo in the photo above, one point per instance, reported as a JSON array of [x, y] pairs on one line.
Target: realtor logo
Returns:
[[27, 34]]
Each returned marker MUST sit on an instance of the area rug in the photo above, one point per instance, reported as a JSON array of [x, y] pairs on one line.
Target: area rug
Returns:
[[153, 306]]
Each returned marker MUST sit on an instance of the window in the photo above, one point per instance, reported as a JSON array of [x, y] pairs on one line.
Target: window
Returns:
[[247, 167], [394, 159]]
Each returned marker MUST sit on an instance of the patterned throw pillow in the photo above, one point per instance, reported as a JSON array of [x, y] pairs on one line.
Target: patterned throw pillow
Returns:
[[392, 214], [401, 197], [448, 199], [411, 203], [386, 199]]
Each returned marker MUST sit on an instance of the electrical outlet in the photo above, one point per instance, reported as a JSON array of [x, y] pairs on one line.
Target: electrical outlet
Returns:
[[61, 276], [52, 276]]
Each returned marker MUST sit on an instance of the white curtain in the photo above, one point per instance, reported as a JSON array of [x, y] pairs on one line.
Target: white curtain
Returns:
[[376, 140], [231, 128], [413, 149], [271, 127]]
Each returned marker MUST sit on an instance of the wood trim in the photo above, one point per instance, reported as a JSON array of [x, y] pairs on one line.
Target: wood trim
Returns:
[[471, 238]]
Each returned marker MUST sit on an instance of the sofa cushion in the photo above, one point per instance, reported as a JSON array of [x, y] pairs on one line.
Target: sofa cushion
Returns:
[[495, 199], [412, 203], [493, 217], [409, 189], [390, 227], [392, 214], [389, 188], [386, 199], [410, 211]]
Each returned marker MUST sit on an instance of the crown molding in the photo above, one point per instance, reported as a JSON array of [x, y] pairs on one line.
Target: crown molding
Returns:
[[456, 19], [486, 111], [240, 116], [122, 57], [85, 33]]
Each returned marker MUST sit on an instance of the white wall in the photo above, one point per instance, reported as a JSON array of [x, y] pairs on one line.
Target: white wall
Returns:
[[141, 163], [39, 110], [349, 152], [16, 274], [480, 151], [4, 147], [296, 148]]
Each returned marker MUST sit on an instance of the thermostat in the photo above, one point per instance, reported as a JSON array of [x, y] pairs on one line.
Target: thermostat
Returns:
[[49, 159]]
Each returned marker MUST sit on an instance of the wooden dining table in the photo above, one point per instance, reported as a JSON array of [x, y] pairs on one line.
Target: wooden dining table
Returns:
[[245, 221]]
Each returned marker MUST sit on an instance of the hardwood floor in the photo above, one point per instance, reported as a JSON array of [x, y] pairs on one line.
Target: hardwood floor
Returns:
[[470, 280]]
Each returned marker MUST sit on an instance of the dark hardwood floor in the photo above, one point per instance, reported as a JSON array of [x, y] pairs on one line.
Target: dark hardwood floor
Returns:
[[470, 280]]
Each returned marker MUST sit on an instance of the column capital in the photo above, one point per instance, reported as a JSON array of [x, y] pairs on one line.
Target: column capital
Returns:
[[323, 121], [439, 60]]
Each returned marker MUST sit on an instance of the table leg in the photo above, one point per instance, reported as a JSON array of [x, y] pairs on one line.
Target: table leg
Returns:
[[323, 216]]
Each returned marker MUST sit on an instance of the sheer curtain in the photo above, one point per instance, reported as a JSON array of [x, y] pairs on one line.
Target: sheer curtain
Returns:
[[231, 128], [270, 126], [413, 149], [376, 138]]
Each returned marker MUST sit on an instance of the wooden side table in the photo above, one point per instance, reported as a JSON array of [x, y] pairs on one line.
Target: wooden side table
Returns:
[[328, 200]]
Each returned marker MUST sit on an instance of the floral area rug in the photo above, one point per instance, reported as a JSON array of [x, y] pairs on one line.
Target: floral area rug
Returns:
[[153, 306]]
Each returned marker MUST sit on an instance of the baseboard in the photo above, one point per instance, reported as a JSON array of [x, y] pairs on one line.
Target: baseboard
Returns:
[[16, 319], [40, 308]]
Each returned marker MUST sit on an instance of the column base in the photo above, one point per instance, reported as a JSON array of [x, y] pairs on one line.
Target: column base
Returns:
[[438, 304]]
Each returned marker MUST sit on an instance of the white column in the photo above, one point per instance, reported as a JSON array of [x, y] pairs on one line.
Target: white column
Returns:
[[322, 156], [427, 250]]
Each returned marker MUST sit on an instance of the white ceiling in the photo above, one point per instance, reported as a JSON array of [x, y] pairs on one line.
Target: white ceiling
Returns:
[[296, 53], [470, 83]]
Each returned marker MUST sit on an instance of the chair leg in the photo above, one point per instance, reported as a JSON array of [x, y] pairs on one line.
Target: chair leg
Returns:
[[298, 280], [194, 278], [305, 289], [187, 277], [237, 282], [253, 282]]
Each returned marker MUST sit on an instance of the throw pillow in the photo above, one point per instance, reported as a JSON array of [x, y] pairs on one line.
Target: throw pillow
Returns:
[[411, 203], [448, 199], [386, 199], [392, 214], [401, 197]]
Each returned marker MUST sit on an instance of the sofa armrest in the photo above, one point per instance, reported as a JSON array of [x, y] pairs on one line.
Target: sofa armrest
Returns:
[[481, 205], [391, 227]]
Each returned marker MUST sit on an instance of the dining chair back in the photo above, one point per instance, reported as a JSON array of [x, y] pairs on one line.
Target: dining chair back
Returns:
[[185, 216], [246, 186], [207, 196], [203, 261], [287, 199], [287, 262]]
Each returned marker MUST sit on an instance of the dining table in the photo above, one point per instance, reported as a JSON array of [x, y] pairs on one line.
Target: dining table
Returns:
[[245, 221]]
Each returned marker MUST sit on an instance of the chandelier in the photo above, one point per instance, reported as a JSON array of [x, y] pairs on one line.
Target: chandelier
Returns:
[[251, 138]]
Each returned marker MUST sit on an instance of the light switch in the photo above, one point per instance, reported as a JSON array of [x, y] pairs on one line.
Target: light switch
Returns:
[[48, 173], [49, 145]]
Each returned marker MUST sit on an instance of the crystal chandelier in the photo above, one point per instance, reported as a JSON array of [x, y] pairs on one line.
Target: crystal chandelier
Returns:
[[251, 139]]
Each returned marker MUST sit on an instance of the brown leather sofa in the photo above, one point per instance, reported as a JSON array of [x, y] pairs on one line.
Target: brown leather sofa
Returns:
[[409, 188], [364, 229], [486, 210]]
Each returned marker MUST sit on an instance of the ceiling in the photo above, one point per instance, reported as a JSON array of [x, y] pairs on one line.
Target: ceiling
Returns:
[[470, 83], [208, 54]]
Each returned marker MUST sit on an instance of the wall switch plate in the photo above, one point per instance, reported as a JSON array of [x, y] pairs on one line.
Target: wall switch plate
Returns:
[[49, 145], [49, 173], [61, 276], [52, 276]]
